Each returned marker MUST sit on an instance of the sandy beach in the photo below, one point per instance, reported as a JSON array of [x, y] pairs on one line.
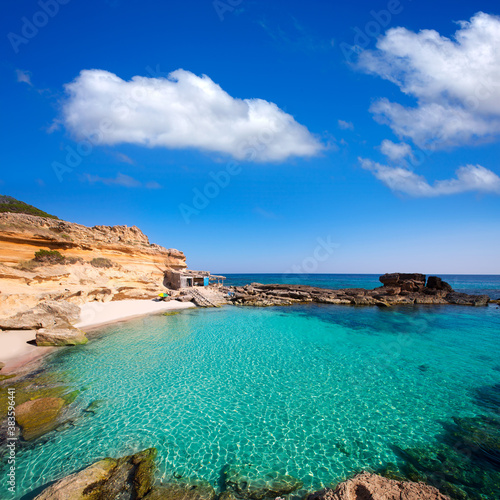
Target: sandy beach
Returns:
[[99, 313], [17, 351]]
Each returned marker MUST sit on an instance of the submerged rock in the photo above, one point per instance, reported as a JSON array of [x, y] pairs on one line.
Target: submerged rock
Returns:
[[255, 484], [126, 478], [60, 337], [368, 486], [39, 416], [191, 489]]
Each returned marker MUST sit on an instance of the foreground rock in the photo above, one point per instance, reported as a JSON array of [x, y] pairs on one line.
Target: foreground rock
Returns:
[[367, 486], [397, 288], [60, 337], [39, 416], [256, 484], [126, 478], [48, 314]]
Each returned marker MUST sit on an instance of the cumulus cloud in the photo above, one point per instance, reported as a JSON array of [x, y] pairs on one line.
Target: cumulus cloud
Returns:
[[122, 180], [395, 152], [456, 82], [182, 111], [468, 178]]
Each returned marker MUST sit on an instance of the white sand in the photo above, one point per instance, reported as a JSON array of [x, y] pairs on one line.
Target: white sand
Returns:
[[15, 350], [98, 313]]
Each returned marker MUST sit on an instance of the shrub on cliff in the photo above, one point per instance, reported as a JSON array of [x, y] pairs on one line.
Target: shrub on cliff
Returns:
[[49, 257], [10, 204], [101, 262]]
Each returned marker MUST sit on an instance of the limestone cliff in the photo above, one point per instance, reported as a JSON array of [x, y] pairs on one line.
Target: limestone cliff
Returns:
[[134, 265]]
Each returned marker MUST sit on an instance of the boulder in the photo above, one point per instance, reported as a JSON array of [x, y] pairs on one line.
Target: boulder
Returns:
[[126, 478], [463, 299], [407, 281], [256, 484], [191, 489], [39, 416], [368, 486], [60, 337], [185, 298], [436, 283], [45, 315]]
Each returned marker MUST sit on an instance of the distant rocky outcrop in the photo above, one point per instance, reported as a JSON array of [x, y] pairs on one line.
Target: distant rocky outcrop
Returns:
[[398, 288], [126, 478], [367, 486]]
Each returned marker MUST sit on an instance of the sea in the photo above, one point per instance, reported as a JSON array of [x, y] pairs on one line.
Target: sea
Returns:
[[318, 392]]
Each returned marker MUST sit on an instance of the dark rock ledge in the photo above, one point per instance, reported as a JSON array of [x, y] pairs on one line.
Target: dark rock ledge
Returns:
[[397, 288], [132, 477]]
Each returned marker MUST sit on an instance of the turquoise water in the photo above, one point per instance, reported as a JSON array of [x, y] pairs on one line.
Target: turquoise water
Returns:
[[318, 392], [474, 284]]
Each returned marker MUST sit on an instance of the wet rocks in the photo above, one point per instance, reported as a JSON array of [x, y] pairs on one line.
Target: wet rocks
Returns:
[[126, 478], [60, 337], [371, 486], [39, 416], [254, 484]]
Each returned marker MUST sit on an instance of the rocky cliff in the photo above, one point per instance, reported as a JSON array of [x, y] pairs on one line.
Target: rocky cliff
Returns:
[[94, 263]]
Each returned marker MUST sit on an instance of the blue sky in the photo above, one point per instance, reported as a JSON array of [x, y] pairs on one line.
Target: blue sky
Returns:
[[318, 125]]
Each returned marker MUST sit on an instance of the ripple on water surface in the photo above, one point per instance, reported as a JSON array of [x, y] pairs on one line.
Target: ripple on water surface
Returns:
[[317, 392]]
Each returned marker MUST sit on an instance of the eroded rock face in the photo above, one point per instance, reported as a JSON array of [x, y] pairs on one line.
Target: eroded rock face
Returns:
[[126, 478], [256, 484], [60, 337], [48, 314], [367, 486]]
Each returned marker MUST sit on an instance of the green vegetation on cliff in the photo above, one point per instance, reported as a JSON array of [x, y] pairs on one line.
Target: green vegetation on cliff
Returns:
[[10, 204]]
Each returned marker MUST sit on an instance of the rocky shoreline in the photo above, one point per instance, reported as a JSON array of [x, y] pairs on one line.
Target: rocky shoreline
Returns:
[[132, 478], [396, 289]]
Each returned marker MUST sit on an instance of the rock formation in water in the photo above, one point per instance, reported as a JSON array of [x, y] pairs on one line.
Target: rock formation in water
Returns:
[[398, 288], [126, 478]]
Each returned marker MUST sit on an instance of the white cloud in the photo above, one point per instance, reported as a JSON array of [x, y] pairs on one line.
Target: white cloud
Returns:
[[345, 125], [121, 180], [182, 111], [468, 178], [23, 76], [456, 82], [395, 152]]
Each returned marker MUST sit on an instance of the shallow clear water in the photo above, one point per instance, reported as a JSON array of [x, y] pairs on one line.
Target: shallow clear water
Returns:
[[315, 391]]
